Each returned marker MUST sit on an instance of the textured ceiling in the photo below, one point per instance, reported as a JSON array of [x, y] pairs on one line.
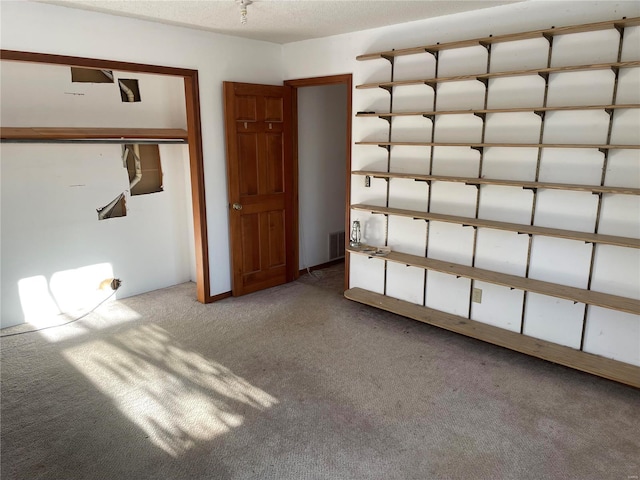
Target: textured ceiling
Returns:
[[281, 21]]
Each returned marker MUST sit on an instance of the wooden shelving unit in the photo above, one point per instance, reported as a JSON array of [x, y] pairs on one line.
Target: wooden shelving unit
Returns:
[[92, 135], [590, 297], [484, 145], [514, 73], [545, 33], [573, 357], [586, 362], [481, 111], [509, 227], [503, 183]]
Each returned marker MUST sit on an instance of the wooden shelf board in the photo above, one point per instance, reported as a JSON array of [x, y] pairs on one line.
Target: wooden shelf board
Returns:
[[590, 297], [483, 145], [505, 183], [512, 73], [586, 362], [498, 110], [510, 227], [40, 134], [591, 27]]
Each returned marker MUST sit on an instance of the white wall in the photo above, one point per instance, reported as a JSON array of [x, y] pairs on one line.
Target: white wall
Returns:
[[609, 333], [52, 29], [322, 127], [55, 251]]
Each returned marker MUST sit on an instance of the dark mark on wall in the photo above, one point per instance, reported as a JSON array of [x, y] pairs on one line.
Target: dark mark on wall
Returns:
[[73, 93]]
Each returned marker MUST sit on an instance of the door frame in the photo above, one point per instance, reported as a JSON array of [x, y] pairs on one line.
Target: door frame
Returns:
[[344, 79], [194, 140]]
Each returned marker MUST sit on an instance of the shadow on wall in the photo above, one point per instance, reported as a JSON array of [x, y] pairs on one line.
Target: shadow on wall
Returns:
[[176, 396]]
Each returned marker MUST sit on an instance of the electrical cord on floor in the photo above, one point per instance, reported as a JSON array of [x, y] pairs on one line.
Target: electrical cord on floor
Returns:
[[66, 323]]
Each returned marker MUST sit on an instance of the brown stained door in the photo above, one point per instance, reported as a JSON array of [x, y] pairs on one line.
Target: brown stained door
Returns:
[[260, 181]]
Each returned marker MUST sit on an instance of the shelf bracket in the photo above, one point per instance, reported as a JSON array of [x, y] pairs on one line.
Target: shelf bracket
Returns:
[[615, 70], [619, 27], [481, 115], [533, 189], [430, 116], [479, 149], [435, 53], [484, 81], [549, 38], [386, 117], [609, 111], [389, 58], [487, 45], [386, 147], [388, 88], [545, 76], [431, 84], [540, 113], [605, 152]]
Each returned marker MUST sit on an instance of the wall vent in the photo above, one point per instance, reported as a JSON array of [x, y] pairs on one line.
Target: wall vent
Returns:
[[336, 245]]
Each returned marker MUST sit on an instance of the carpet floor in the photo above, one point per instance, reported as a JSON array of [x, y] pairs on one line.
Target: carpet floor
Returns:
[[296, 382]]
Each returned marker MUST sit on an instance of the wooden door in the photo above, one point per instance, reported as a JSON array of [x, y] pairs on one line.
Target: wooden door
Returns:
[[260, 185]]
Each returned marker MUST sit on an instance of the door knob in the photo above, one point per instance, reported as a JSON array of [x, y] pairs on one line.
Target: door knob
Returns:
[[237, 206]]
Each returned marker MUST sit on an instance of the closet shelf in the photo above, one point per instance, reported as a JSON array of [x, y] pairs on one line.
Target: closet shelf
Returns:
[[497, 110], [496, 144], [560, 354], [92, 135], [505, 183], [549, 32], [590, 297], [512, 73], [509, 227]]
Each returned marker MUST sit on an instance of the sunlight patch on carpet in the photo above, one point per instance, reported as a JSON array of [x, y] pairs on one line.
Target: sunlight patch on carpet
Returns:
[[176, 396]]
